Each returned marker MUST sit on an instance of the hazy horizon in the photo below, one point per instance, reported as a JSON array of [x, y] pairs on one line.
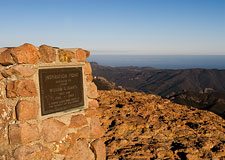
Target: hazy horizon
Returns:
[[161, 61], [94, 52], [132, 27]]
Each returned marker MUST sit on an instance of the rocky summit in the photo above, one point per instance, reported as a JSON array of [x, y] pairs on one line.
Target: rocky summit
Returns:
[[145, 126]]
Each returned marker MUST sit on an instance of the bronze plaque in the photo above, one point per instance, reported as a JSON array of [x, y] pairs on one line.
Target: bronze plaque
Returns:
[[61, 89]]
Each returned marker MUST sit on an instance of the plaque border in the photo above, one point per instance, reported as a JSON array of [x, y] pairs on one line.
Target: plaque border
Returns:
[[67, 111]]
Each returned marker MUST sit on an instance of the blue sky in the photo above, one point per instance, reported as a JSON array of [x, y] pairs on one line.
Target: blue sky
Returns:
[[117, 26]]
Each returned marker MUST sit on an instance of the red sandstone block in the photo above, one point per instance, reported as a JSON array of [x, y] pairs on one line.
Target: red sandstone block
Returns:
[[53, 130], [26, 110], [89, 78], [79, 151], [96, 130], [90, 112], [99, 149], [81, 55], [26, 53], [25, 71], [6, 58], [24, 88], [72, 137], [23, 133], [92, 91], [87, 68], [30, 152], [19, 70], [78, 121], [93, 104], [83, 132], [48, 54]]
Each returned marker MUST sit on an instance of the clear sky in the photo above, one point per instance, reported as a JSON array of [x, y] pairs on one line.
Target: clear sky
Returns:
[[117, 26]]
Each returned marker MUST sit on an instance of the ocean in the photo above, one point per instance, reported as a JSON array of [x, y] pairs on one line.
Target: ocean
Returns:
[[162, 61]]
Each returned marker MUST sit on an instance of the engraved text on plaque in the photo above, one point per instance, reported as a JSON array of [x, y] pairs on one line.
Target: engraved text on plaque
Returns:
[[60, 89]]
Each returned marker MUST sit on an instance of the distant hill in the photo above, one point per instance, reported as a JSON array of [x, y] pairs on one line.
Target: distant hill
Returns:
[[104, 84], [162, 82], [201, 88], [214, 101]]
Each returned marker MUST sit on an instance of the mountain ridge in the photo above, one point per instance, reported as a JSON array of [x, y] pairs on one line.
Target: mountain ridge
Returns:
[[162, 81], [200, 88]]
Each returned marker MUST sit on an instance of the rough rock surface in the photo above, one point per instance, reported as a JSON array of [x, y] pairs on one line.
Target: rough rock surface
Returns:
[[29, 152], [145, 126], [3, 49], [6, 58], [78, 54], [79, 151], [26, 53], [19, 71], [92, 91], [81, 55], [24, 88], [96, 131], [27, 110], [65, 55], [103, 84], [78, 121], [48, 54], [98, 147], [53, 130], [23, 133]]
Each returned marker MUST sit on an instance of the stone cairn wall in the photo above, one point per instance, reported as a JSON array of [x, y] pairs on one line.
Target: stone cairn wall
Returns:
[[24, 133]]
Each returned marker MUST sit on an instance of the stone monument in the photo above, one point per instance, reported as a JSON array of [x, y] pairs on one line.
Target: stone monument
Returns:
[[48, 105]]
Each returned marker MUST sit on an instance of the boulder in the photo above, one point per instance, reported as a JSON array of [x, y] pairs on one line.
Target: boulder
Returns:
[[24, 88], [79, 151], [23, 133], [47, 54], [29, 152], [26, 53], [6, 58], [53, 130], [78, 121], [99, 149], [19, 71], [92, 91], [96, 130], [26, 110]]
